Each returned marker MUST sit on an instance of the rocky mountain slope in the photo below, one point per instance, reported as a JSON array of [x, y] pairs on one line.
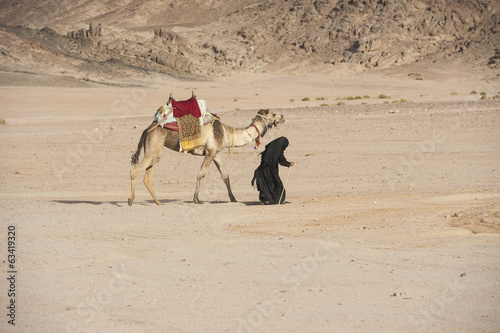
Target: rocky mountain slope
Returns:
[[95, 41]]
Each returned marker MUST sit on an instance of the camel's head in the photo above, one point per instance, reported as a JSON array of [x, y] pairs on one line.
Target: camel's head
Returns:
[[271, 118]]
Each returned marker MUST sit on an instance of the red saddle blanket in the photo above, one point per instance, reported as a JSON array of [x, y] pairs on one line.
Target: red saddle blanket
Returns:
[[182, 108]]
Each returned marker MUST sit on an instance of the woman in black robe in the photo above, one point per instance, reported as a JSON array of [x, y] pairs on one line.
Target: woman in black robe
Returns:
[[267, 177]]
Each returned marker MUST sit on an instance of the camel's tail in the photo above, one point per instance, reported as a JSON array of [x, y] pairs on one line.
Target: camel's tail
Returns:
[[141, 144]]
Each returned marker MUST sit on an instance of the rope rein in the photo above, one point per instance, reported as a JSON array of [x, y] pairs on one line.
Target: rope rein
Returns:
[[232, 146]]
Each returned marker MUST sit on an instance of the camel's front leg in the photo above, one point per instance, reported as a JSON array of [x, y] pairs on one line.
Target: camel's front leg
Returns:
[[204, 166], [225, 176]]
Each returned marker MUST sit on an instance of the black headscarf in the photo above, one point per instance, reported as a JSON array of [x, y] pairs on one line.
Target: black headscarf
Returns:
[[267, 176]]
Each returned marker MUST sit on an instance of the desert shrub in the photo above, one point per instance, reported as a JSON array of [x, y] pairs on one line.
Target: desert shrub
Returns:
[[357, 97], [366, 96], [292, 100], [453, 93], [350, 98], [473, 92], [341, 103], [483, 95], [324, 104], [402, 100], [2, 121], [382, 96], [305, 99]]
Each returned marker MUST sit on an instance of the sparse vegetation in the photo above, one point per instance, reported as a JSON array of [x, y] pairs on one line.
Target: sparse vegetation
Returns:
[[2, 121], [324, 104], [305, 99], [341, 103], [320, 98], [350, 98], [473, 92], [383, 96], [292, 100], [496, 96], [357, 97], [366, 96], [453, 93], [483, 95]]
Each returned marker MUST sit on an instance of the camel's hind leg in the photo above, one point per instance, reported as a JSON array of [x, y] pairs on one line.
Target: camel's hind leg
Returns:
[[153, 155], [147, 181], [225, 176], [146, 164]]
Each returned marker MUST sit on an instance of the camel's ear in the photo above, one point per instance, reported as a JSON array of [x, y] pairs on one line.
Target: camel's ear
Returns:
[[264, 112]]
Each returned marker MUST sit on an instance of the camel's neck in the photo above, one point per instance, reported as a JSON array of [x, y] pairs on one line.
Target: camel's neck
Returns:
[[244, 136]]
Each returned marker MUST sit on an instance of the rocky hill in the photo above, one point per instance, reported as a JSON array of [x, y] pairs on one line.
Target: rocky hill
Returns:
[[122, 38]]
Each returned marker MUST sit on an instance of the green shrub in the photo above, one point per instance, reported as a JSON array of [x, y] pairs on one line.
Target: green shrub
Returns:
[[341, 103], [382, 96], [2, 121], [305, 99], [357, 97], [324, 104], [473, 92], [350, 98]]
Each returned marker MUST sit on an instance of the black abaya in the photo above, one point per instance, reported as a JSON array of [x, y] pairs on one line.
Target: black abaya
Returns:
[[267, 177]]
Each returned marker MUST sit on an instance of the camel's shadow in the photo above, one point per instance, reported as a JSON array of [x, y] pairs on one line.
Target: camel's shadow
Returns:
[[113, 203], [246, 203], [152, 202]]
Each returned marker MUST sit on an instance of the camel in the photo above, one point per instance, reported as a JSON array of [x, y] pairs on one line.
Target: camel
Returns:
[[215, 136]]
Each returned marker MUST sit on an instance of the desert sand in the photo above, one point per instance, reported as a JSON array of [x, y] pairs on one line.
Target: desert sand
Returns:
[[392, 221]]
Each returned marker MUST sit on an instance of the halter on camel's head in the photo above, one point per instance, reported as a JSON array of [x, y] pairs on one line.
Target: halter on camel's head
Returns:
[[269, 118]]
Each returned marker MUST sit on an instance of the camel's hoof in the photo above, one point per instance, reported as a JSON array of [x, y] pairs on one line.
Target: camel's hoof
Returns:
[[198, 202], [130, 201]]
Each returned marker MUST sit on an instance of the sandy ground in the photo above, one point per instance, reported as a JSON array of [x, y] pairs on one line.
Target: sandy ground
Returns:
[[392, 223]]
